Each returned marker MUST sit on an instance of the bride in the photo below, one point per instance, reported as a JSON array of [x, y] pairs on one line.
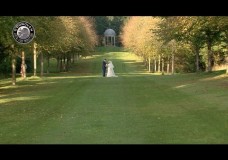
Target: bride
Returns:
[[110, 72]]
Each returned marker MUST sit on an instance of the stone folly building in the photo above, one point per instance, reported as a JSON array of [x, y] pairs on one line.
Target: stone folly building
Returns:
[[109, 37]]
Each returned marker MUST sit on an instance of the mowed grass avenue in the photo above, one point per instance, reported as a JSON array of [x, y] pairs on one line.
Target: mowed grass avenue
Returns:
[[82, 107]]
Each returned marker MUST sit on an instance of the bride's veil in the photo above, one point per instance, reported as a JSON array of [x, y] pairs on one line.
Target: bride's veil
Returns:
[[110, 64]]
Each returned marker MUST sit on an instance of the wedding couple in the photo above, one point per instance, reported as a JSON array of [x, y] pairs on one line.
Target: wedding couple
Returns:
[[110, 71]]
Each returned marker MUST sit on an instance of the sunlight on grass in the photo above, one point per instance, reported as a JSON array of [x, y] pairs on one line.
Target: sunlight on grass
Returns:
[[34, 78], [9, 87], [215, 77], [157, 74], [92, 57], [46, 83], [75, 77], [3, 95], [4, 81], [138, 73], [6, 100], [130, 62], [181, 86]]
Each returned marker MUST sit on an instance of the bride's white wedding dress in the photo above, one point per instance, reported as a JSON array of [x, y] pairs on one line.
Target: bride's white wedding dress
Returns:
[[111, 72]]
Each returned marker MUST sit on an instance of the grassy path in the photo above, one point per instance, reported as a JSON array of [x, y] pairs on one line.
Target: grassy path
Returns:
[[82, 107]]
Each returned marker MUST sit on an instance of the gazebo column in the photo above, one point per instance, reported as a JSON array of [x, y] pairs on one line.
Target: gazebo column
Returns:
[[111, 41], [114, 41], [106, 41]]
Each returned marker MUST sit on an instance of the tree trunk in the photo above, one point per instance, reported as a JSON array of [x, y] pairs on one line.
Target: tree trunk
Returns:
[[67, 62], [73, 58], [78, 55], [41, 64], [173, 63], [168, 66], [23, 65], [13, 69], [58, 63], [64, 63], [155, 65], [159, 63], [61, 63], [226, 67], [48, 62], [197, 58], [163, 64], [227, 64], [149, 63], [34, 58], [209, 55]]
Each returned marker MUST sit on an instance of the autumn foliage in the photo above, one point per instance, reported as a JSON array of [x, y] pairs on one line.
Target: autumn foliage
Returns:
[[187, 43], [60, 37]]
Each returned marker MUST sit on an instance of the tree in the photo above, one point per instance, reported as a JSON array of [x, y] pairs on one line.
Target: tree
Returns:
[[138, 35], [54, 36]]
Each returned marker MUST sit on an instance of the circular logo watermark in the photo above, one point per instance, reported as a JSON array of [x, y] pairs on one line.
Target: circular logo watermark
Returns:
[[23, 32]]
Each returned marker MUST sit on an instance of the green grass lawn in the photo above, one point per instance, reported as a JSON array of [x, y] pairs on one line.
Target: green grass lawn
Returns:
[[82, 107]]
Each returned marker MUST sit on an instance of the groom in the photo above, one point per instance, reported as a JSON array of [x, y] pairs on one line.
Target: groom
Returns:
[[104, 67]]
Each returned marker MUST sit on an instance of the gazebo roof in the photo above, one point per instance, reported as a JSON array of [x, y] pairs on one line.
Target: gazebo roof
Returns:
[[109, 32]]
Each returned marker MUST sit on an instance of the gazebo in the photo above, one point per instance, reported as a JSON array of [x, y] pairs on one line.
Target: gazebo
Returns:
[[109, 37]]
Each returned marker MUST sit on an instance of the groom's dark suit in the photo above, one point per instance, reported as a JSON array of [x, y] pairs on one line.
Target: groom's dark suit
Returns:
[[104, 67]]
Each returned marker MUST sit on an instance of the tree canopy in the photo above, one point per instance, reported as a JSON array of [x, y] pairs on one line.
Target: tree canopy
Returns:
[[199, 36]]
